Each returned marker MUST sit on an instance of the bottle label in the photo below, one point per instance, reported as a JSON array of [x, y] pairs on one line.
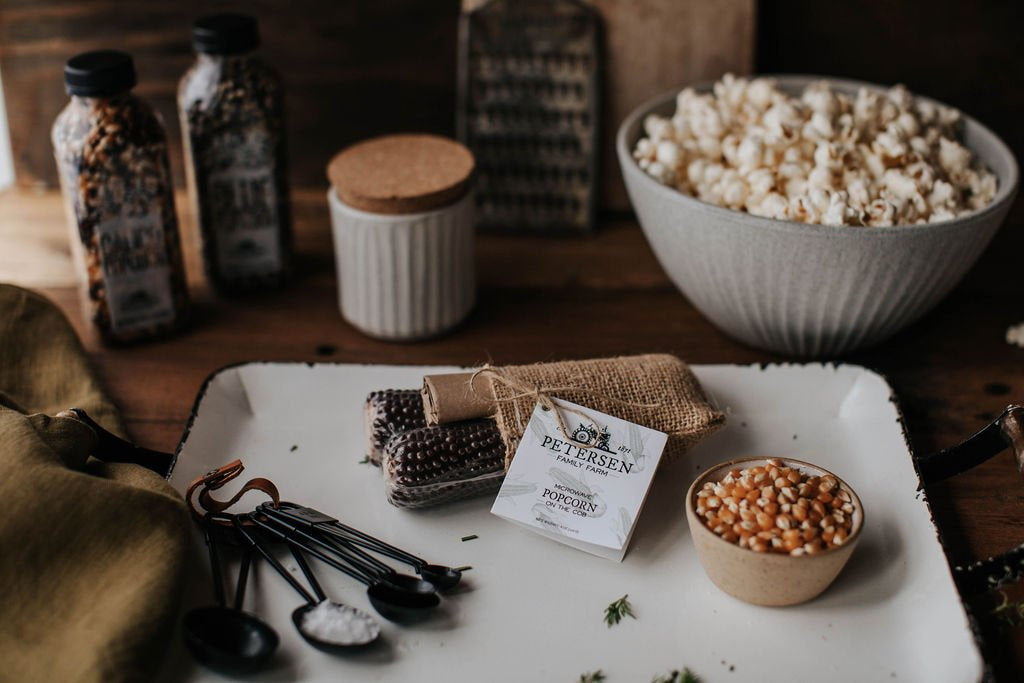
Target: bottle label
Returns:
[[136, 274], [242, 199]]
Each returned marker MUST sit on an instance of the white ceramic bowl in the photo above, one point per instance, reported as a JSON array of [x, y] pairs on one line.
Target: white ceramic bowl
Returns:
[[808, 290]]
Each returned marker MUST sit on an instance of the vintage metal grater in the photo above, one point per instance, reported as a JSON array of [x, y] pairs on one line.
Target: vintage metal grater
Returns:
[[528, 108]]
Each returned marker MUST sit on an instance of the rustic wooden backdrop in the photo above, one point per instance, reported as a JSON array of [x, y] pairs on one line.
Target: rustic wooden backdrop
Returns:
[[363, 67], [352, 69], [967, 54]]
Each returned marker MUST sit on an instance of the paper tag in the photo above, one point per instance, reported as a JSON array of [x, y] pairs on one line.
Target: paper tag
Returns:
[[243, 205], [136, 275], [584, 488]]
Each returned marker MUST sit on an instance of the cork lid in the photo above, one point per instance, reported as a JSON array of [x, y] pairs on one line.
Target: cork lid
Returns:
[[406, 173]]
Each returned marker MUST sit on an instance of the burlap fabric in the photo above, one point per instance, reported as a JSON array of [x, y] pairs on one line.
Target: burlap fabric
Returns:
[[657, 391]]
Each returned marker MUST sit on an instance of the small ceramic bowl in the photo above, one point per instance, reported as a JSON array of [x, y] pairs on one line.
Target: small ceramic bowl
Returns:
[[767, 578]]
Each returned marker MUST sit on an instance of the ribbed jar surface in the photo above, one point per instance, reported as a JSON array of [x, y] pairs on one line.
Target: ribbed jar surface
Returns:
[[810, 295], [404, 277]]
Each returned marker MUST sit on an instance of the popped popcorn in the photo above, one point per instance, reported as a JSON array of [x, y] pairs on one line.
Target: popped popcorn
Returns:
[[877, 159]]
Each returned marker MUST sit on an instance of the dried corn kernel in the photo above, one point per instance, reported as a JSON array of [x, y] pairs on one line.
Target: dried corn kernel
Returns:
[[389, 412], [444, 462], [787, 512]]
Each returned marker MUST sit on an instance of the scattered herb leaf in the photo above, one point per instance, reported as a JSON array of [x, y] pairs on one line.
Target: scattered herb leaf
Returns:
[[684, 676], [294, 448], [365, 460], [471, 537], [615, 612], [1010, 613], [592, 677]]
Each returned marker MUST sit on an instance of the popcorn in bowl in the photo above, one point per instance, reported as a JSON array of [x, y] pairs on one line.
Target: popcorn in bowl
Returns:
[[880, 159]]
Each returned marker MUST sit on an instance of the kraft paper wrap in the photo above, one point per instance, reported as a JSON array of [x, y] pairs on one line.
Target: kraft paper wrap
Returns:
[[658, 391], [450, 398]]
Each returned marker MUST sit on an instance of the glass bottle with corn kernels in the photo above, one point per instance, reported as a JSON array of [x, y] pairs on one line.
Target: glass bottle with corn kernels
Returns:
[[111, 153], [231, 106]]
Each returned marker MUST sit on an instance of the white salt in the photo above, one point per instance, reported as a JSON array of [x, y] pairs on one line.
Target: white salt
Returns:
[[1015, 335], [337, 624]]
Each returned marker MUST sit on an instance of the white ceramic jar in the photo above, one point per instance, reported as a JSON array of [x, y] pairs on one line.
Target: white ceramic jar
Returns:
[[402, 215]]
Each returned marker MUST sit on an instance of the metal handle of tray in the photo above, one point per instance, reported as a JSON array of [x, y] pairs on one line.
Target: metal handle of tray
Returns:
[[1006, 431], [115, 449]]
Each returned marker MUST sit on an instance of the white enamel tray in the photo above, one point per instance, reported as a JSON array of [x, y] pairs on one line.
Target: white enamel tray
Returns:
[[532, 608]]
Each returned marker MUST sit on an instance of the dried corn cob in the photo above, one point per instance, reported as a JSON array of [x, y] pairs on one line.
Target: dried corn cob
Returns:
[[389, 412], [438, 464]]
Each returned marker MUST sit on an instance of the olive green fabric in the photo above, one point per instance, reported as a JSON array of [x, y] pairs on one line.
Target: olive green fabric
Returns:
[[92, 555]]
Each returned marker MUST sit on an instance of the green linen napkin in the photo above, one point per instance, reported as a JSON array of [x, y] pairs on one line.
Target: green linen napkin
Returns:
[[92, 554]]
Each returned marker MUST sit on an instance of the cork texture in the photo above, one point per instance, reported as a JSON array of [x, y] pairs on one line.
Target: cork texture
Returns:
[[401, 174]]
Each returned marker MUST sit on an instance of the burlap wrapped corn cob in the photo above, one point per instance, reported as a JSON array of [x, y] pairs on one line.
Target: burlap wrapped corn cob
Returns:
[[476, 419]]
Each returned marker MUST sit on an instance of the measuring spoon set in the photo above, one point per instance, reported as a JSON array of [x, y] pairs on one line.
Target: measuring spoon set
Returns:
[[228, 639]]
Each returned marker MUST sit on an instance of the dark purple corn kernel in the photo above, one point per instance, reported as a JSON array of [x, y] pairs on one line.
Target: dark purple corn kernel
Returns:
[[390, 412], [436, 464]]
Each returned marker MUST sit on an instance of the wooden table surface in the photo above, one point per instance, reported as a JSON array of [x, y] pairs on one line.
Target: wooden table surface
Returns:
[[552, 298]]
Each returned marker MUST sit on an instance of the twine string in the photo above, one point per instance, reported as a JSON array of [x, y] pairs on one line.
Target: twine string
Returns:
[[542, 395]]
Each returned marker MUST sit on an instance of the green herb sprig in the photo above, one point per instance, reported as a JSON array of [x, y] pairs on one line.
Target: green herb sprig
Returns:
[[365, 461], [615, 612], [684, 676], [592, 677]]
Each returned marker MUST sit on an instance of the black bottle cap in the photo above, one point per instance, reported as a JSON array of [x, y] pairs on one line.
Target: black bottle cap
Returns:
[[225, 34], [101, 73]]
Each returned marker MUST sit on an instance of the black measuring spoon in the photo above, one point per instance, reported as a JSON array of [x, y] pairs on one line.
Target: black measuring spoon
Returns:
[[391, 601], [353, 555], [302, 615], [370, 629], [340, 546], [443, 578], [226, 638]]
